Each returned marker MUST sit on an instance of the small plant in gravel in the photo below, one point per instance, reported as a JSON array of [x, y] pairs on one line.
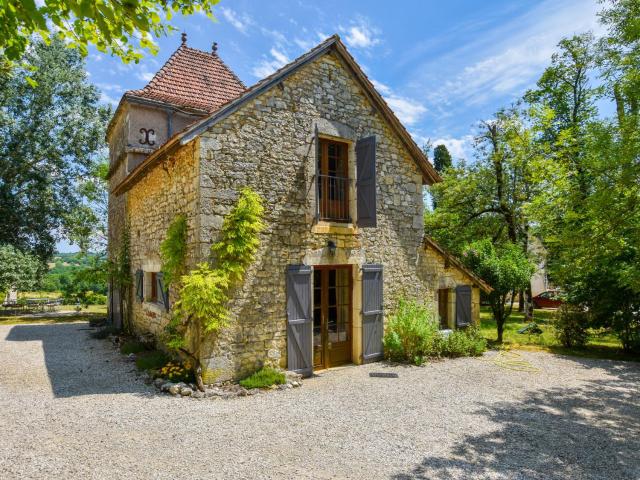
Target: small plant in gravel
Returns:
[[263, 378], [151, 360]]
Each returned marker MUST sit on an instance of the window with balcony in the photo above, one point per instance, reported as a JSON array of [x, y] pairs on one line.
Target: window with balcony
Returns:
[[333, 181]]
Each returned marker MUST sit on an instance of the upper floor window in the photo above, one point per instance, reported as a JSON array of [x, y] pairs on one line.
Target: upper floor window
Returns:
[[333, 181]]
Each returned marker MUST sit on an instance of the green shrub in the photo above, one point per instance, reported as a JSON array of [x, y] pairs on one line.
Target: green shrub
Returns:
[[151, 360], [464, 343], [570, 326], [132, 346], [265, 377], [412, 333]]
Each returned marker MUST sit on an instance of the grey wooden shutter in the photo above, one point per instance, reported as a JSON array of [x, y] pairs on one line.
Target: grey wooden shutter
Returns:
[[139, 285], [163, 292], [299, 320], [317, 177], [366, 181], [372, 315], [463, 305]]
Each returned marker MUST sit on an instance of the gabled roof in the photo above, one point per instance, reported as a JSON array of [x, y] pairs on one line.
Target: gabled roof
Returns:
[[429, 242], [332, 43], [193, 78]]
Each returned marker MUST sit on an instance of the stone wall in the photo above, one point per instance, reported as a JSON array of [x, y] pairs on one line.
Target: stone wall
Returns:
[[269, 144], [166, 191]]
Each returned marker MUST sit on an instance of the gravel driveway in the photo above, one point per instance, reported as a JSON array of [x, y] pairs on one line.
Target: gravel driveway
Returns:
[[71, 407]]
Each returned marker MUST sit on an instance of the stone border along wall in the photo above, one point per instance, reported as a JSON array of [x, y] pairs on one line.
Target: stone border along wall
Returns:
[[169, 189], [268, 144]]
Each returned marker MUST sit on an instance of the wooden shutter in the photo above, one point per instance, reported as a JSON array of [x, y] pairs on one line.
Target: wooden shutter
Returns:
[[299, 320], [317, 177], [463, 305], [372, 314], [366, 181], [139, 285], [163, 293]]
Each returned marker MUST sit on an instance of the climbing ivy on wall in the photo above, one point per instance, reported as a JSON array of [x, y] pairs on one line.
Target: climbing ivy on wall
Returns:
[[173, 250], [204, 292]]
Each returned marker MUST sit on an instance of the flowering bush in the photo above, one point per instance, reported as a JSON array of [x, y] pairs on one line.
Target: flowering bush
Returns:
[[177, 372]]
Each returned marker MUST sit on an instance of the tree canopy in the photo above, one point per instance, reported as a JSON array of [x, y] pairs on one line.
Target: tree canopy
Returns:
[[124, 29], [18, 270], [51, 139], [441, 158]]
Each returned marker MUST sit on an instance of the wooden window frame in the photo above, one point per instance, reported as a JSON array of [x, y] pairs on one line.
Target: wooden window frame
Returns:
[[331, 210]]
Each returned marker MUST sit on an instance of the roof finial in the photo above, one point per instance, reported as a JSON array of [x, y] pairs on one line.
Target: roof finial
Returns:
[[214, 48], [184, 38]]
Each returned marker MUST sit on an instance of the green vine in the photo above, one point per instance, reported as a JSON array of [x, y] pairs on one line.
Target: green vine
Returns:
[[204, 293], [118, 269], [173, 250]]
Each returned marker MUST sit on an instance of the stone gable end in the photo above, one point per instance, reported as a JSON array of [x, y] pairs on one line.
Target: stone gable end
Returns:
[[269, 145]]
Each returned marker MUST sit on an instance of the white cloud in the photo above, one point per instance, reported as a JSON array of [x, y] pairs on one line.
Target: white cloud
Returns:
[[514, 54], [360, 34], [104, 98], [268, 65], [109, 87], [145, 76], [408, 111], [240, 22], [459, 148]]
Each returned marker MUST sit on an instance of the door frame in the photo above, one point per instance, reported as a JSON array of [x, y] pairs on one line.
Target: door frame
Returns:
[[325, 347]]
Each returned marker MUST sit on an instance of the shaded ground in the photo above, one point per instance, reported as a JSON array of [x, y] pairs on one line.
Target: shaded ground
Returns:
[[71, 407]]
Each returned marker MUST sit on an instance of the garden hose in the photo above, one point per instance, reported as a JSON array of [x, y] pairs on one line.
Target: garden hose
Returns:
[[512, 361]]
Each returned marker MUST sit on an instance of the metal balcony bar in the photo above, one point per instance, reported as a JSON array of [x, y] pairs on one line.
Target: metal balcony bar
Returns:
[[333, 198]]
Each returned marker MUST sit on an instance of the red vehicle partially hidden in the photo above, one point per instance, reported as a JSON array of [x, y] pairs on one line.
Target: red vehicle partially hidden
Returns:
[[548, 299]]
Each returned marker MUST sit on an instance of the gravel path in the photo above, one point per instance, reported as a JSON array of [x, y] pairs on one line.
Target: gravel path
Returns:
[[71, 407]]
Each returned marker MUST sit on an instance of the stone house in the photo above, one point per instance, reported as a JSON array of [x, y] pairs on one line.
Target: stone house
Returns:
[[342, 182]]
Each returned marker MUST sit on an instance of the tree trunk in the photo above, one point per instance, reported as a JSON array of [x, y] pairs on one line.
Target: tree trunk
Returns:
[[500, 325], [529, 313], [521, 301]]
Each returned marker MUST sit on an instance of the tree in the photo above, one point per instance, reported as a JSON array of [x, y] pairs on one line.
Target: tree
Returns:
[[120, 28], [441, 158], [50, 138], [507, 269], [587, 209], [18, 270], [487, 199]]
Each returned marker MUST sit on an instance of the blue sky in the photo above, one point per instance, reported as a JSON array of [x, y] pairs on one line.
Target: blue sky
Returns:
[[442, 66]]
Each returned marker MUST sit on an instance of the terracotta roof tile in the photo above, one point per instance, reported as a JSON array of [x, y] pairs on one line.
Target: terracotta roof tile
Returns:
[[193, 78]]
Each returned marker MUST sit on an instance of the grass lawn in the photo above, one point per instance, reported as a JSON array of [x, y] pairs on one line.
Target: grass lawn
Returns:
[[601, 344], [86, 314]]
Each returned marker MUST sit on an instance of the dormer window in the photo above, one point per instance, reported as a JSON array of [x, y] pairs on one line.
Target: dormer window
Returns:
[[333, 181]]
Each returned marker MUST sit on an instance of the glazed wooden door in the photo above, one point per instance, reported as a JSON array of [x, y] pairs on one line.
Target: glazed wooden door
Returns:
[[332, 319]]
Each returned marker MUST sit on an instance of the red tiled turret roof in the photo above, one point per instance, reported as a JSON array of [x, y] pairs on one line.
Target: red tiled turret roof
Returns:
[[193, 78]]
